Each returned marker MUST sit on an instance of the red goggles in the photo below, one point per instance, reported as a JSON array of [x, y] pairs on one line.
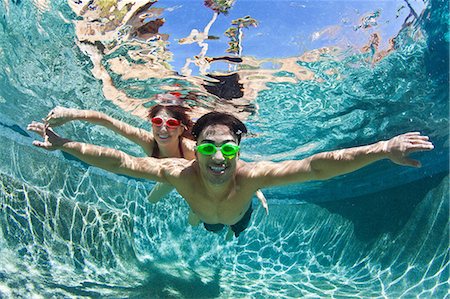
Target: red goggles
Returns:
[[171, 123]]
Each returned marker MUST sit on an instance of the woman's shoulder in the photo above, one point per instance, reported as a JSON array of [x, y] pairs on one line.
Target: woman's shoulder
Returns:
[[188, 148], [148, 143]]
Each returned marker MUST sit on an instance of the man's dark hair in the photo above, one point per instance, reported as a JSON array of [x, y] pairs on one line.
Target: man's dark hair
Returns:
[[219, 118]]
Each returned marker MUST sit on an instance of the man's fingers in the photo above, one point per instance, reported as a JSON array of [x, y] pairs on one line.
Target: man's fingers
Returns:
[[32, 125], [411, 162], [416, 147], [414, 137], [422, 142], [263, 201], [412, 134], [35, 129], [424, 138], [42, 129], [36, 125]]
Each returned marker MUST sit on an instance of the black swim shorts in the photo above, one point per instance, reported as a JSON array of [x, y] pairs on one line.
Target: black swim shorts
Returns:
[[237, 228]]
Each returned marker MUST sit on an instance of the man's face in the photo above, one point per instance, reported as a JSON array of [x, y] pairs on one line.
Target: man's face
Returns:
[[216, 168]]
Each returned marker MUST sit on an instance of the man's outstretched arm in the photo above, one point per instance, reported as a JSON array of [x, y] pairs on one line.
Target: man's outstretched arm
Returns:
[[326, 165], [106, 158]]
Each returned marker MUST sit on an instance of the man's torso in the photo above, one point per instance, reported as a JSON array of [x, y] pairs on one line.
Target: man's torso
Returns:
[[226, 208]]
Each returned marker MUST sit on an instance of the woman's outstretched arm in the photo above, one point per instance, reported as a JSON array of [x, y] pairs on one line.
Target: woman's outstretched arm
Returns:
[[61, 115]]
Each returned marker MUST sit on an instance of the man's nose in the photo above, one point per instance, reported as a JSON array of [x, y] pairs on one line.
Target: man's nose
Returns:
[[218, 156]]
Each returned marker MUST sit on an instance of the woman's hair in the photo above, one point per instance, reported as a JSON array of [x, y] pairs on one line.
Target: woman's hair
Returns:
[[177, 112]]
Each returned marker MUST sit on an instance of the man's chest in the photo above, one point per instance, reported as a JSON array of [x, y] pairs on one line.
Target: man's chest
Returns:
[[227, 208]]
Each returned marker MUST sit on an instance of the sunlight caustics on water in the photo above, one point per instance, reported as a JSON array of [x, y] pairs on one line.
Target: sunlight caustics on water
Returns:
[[357, 73]]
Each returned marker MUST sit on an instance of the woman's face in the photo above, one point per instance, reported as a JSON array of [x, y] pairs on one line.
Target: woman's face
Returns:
[[165, 133]]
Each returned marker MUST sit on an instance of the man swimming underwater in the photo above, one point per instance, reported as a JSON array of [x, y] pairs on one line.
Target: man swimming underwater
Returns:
[[217, 185]]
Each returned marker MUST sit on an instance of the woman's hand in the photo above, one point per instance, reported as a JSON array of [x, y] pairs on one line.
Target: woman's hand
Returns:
[[52, 141], [60, 115]]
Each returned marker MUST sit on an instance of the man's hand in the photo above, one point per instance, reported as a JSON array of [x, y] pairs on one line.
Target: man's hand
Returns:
[[262, 199], [52, 141], [60, 115], [399, 147]]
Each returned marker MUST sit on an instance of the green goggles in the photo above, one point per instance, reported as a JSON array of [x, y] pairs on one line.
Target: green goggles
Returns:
[[228, 150]]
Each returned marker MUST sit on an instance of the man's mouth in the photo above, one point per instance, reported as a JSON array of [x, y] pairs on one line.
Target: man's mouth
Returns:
[[217, 169]]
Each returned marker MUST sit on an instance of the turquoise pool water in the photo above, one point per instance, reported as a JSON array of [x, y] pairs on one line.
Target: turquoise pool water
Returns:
[[71, 231]]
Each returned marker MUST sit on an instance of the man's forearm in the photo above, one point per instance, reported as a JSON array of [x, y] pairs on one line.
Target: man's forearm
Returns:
[[114, 160], [106, 158], [329, 164], [319, 166]]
